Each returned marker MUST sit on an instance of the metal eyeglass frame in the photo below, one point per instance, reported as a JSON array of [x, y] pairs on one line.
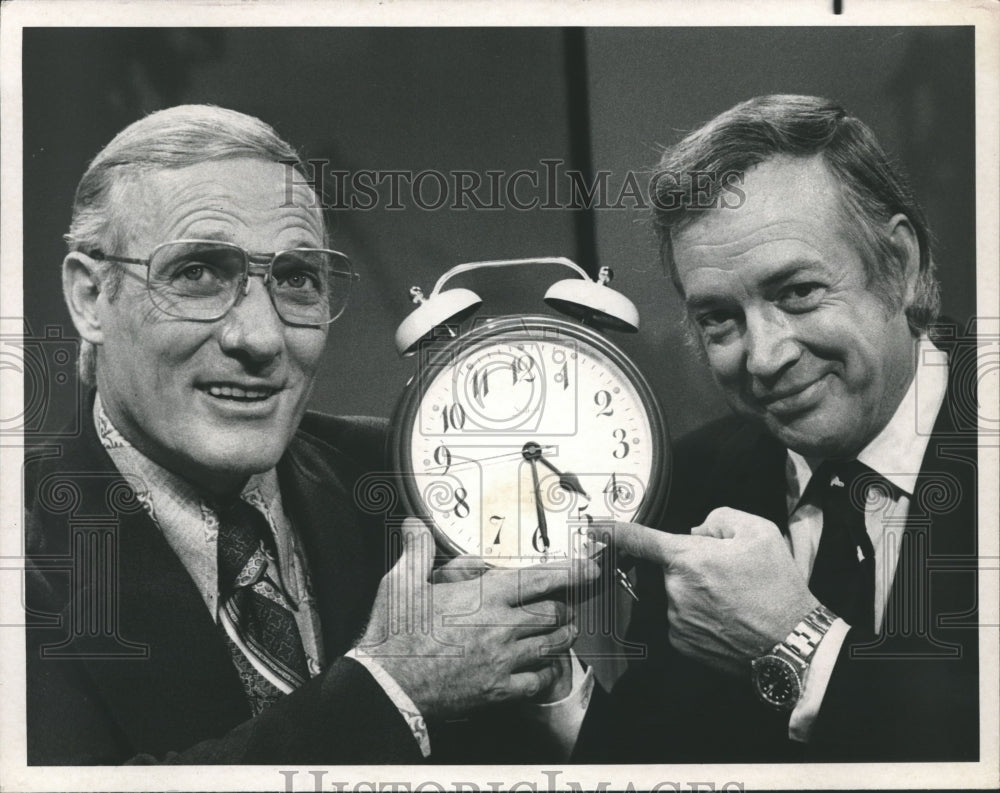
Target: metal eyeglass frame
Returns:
[[254, 264]]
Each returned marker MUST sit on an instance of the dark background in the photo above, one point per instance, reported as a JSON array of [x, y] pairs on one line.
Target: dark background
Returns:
[[483, 99], [491, 99]]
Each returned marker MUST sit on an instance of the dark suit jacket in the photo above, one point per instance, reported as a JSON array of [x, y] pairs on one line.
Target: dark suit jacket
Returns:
[[124, 662], [910, 695]]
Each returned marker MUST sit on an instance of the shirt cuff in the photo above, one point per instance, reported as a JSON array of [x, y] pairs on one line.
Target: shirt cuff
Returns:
[[564, 717], [817, 679], [406, 707]]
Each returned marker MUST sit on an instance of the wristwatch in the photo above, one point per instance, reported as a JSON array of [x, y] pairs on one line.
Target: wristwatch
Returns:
[[778, 676]]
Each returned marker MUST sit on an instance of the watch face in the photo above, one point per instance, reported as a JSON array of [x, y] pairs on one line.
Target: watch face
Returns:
[[776, 681], [527, 435]]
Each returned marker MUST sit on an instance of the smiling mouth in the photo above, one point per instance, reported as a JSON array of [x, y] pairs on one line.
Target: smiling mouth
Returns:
[[791, 400], [790, 394], [237, 393]]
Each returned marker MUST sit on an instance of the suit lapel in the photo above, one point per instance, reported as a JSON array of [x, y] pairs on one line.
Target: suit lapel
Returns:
[[164, 677], [183, 687], [187, 689], [751, 475], [941, 533], [346, 560]]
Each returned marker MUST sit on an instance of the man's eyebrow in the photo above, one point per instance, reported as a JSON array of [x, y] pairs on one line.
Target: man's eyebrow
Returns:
[[701, 302], [211, 236], [221, 236], [790, 269], [783, 273]]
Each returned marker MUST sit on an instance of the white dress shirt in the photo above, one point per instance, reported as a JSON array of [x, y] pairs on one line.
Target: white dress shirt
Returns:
[[896, 453]]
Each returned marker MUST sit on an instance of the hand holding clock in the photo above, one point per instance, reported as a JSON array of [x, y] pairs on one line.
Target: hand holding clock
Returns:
[[733, 589], [463, 568], [459, 645]]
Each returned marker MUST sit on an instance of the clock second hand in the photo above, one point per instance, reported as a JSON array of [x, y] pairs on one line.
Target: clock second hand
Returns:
[[465, 462], [532, 452]]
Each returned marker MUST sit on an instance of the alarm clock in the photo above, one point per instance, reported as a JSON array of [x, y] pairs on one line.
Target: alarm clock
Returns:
[[518, 437]]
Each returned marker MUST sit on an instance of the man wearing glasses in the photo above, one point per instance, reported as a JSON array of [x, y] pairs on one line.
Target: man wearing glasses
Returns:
[[226, 602]]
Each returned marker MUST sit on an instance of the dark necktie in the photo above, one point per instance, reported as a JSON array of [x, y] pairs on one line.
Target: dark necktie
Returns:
[[254, 613], [843, 575]]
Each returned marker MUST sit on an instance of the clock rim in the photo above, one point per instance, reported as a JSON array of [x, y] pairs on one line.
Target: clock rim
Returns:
[[398, 442]]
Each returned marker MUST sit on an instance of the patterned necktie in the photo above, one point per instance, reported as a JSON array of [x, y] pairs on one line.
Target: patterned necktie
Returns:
[[843, 576], [254, 613]]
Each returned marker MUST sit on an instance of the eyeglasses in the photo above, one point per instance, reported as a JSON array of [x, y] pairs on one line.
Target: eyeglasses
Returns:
[[203, 279]]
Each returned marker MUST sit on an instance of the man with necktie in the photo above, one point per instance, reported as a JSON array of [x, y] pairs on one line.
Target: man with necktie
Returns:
[[813, 597], [202, 586]]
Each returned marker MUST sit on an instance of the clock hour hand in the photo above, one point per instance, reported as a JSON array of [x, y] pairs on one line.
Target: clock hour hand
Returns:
[[532, 451]]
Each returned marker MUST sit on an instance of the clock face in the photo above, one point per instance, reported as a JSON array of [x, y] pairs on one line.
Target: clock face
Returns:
[[527, 436]]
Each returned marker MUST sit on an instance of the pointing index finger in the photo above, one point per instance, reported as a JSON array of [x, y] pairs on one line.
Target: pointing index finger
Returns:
[[641, 542]]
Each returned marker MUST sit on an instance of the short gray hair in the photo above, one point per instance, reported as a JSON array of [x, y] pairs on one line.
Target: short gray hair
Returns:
[[167, 139], [873, 189]]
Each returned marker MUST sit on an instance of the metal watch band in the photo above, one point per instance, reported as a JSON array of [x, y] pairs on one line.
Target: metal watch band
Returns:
[[806, 636], [795, 653]]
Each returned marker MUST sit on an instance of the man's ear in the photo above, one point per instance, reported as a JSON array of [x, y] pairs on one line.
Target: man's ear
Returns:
[[903, 238], [82, 291]]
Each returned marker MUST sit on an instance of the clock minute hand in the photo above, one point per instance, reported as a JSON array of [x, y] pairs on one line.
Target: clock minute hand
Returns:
[[532, 452], [539, 509]]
